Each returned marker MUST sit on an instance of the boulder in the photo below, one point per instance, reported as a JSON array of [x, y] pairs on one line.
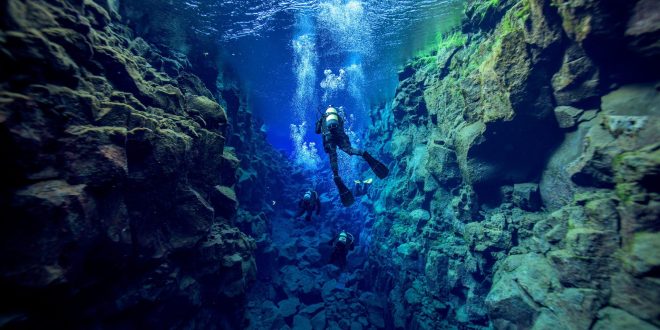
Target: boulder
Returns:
[[526, 196], [577, 81], [521, 285], [319, 320], [642, 30], [224, 201], [614, 318], [213, 115], [266, 316], [638, 296], [586, 242], [581, 272], [301, 323], [70, 220], [567, 117], [488, 236], [289, 307], [375, 309], [642, 256]]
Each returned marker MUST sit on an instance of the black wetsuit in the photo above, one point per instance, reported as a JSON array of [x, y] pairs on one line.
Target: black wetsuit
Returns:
[[333, 138], [340, 250], [309, 206], [360, 189]]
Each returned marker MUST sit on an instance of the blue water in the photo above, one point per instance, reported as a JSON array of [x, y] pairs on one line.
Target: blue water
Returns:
[[294, 55]]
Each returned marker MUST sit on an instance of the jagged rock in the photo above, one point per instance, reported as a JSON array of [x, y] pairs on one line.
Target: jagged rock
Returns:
[[374, 308], [488, 235], [289, 306], [319, 321], [356, 326], [516, 294], [586, 242], [312, 255], [567, 116], [643, 257], [496, 94], [408, 250], [236, 269], [70, 220], [224, 201], [288, 253], [301, 322], [312, 309], [641, 29], [329, 287], [213, 115], [554, 228], [614, 318], [591, 22], [28, 56], [556, 187], [526, 196], [267, 316], [95, 122], [95, 155], [577, 82], [637, 296]]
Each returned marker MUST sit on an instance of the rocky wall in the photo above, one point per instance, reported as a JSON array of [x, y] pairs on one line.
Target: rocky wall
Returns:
[[524, 185], [117, 187]]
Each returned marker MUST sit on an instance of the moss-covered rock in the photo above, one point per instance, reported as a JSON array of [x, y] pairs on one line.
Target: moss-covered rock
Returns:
[[110, 200], [523, 102]]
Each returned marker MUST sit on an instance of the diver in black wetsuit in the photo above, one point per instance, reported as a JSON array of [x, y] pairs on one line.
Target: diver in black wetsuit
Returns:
[[308, 204], [361, 188], [342, 243], [331, 125]]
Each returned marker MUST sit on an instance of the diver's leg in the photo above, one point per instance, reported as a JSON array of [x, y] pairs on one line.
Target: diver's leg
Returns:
[[345, 145], [308, 217], [331, 149], [345, 194], [333, 162]]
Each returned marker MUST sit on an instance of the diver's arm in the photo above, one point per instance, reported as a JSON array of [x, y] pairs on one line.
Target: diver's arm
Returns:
[[318, 205], [318, 125]]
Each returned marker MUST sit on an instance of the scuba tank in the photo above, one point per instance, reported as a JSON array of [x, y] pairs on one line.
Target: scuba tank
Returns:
[[342, 237], [331, 118]]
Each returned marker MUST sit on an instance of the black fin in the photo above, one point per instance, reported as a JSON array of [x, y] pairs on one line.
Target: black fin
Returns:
[[379, 168], [345, 194]]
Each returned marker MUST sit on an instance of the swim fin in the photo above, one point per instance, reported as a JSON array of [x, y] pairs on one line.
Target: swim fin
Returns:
[[345, 194], [379, 168]]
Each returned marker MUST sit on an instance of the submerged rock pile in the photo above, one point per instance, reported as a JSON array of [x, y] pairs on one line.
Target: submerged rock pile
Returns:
[[524, 186], [118, 190]]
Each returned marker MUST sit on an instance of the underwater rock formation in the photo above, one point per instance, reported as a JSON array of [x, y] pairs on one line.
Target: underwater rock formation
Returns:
[[524, 158], [530, 142], [118, 188]]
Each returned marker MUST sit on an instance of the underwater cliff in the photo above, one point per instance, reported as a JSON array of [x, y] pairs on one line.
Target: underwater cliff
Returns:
[[526, 172], [142, 188], [118, 181]]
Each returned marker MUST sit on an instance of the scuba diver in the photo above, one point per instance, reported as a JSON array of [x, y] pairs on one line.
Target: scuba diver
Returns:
[[308, 204], [332, 127], [341, 244], [361, 187]]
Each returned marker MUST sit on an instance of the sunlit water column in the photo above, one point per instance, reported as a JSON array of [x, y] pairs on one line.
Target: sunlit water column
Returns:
[[348, 28], [304, 66]]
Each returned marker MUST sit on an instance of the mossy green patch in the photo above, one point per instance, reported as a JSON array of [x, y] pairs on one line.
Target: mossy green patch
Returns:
[[451, 40], [486, 6]]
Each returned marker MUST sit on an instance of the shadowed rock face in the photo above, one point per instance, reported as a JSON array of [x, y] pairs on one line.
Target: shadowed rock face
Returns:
[[523, 190], [532, 145], [118, 185]]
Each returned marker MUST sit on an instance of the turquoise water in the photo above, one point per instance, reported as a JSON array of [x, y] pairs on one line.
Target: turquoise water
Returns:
[[296, 55]]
